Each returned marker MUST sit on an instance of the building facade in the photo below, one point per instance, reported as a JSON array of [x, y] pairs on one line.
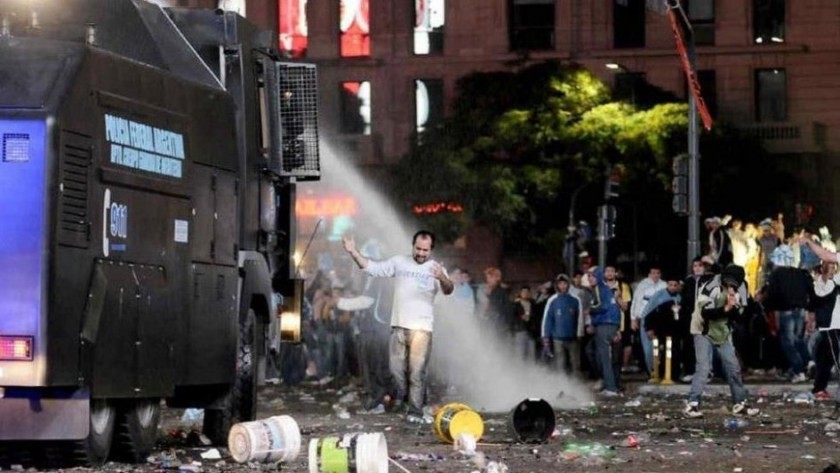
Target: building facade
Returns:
[[387, 68], [767, 66]]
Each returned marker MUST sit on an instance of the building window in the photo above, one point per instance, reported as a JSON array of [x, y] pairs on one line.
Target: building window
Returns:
[[628, 85], [429, 21], [355, 108], [701, 13], [771, 95], [294, 34], [354, 22], [429, 102], [769, 21], [531, 24], [629, 23]]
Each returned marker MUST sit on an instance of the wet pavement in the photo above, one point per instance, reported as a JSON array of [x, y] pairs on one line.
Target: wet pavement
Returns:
[[642, 431]]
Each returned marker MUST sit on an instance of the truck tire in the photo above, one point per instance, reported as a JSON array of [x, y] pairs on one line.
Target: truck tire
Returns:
[[240, 404], [95, 448], [136, 430]]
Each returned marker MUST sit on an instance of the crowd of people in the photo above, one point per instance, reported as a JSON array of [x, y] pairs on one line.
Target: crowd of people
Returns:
[[758, 303]]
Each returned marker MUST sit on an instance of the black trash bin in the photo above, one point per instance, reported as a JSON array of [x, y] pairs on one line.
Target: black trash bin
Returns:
[[532, 421]]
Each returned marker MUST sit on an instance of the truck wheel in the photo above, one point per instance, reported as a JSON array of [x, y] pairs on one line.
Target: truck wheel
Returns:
[[137, 429], [241, 402], [96, 447]]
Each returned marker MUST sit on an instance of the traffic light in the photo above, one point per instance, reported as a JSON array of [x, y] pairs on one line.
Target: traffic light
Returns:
[[614, 177], [611, 189], [607, 215], [679, 185]]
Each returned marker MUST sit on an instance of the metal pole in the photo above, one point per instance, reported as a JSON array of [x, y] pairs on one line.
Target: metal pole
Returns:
[[693, 182], [602, 242], [570, 260]]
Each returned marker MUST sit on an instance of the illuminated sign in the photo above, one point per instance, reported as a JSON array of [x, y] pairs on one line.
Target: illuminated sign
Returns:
[[438, 207], [326, 207], [146, 148]]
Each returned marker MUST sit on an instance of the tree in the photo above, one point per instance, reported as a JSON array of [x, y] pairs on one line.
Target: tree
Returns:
[[517, 144]]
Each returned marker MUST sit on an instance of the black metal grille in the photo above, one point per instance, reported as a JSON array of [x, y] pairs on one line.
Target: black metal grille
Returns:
[[295, 87], [74, 214]]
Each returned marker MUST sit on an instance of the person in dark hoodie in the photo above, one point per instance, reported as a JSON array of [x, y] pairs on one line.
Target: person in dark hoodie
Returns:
[[562, 327], [719, 301], [605, 315]]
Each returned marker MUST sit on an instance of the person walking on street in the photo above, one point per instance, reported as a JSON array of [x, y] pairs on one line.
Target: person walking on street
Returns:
[[417, 279]]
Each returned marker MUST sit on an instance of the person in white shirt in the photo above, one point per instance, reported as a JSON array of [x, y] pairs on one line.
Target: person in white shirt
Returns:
[[644, 291], [417, 279]]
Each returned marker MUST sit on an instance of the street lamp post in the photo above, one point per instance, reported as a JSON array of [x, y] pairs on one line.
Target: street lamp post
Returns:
[[693, 182]]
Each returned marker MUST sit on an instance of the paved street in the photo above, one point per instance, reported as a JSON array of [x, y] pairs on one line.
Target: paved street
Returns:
[[791, 434], [643, 431]]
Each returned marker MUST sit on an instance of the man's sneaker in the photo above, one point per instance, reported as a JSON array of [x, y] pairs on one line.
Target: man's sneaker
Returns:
[[692, 410], [418, 419], [608, 393], [688, 378], [741, 408], [413, 419], [798, 378], [822, 396]]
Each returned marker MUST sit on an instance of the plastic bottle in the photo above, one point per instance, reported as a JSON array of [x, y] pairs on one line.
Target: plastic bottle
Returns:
[[587, 450], [733, 423]]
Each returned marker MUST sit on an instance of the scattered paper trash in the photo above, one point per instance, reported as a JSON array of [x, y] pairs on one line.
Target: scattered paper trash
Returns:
[[212, 454], [465, 444], [496, 467]]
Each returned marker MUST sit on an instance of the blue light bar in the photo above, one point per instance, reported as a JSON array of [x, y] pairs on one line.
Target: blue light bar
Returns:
[[23, 225]]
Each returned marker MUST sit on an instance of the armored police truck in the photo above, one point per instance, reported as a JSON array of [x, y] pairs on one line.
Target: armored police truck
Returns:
[[148, 164]]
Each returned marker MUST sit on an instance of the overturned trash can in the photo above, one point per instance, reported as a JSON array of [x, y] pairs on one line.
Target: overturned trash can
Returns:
[[350, 453], [532, 421], [276, 439], [455, 419]]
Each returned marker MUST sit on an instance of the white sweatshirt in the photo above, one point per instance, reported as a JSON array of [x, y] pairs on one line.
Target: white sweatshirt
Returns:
[[414, 290]]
